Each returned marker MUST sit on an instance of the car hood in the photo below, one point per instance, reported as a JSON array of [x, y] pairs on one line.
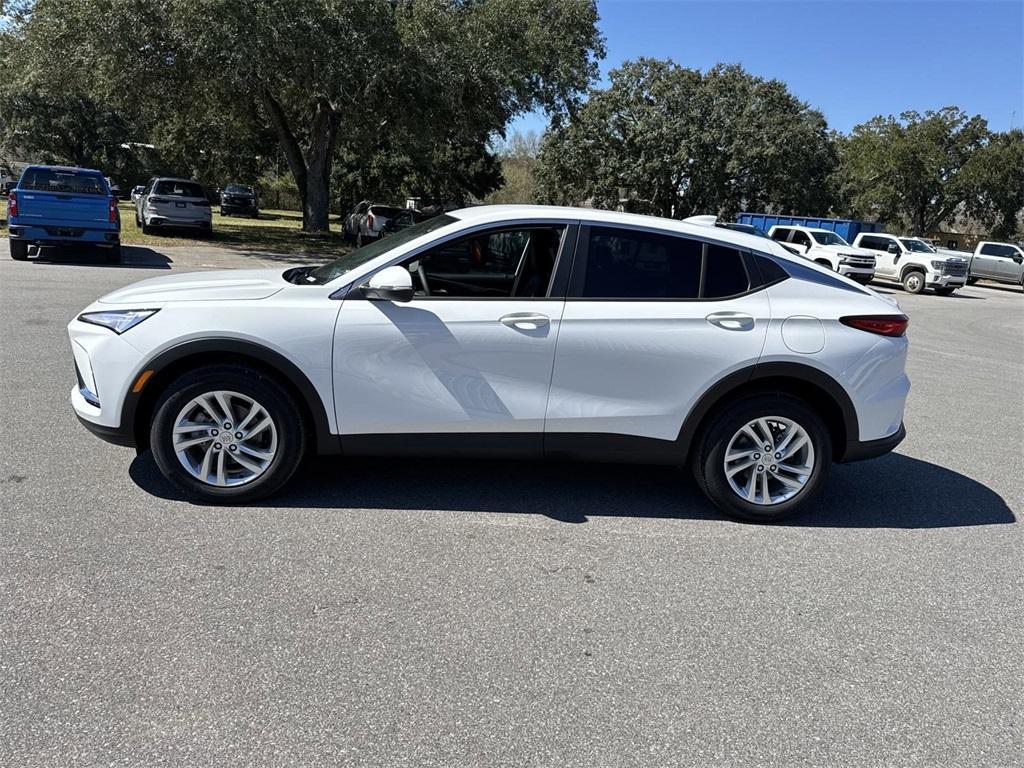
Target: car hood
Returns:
[[219, 285], [852, 250]]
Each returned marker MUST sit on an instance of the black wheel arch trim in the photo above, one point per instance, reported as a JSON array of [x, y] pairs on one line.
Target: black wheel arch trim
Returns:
[[720, 390], [326, 441]]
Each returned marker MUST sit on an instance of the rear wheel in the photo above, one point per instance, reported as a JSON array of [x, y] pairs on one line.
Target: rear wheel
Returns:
[[113, 255], [972, 280], [913, 282], [763, 458], [228, 434], [146, 229], [19, 250]]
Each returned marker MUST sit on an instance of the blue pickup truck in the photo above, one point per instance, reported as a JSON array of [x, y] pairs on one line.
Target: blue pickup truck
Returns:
[[54, 205]]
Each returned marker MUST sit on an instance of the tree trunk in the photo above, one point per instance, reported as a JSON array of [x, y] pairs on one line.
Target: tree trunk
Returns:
[[312, 171]]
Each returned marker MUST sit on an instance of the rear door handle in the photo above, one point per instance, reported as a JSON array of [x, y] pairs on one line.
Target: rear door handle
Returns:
[[731, 321], [524, 321]]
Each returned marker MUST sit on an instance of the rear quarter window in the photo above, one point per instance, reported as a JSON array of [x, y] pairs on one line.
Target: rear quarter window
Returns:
[[66, 182]]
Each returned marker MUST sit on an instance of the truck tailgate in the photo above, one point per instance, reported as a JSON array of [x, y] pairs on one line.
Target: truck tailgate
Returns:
[[39, 208]]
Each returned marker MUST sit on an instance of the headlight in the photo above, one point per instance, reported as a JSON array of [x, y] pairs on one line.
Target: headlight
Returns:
[[938, 265], [117, 320]]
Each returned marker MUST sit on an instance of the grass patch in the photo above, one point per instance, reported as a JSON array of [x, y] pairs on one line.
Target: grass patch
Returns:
[[273, 232]]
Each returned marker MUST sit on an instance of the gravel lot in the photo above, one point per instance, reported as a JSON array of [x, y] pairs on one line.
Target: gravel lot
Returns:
[[422, 613]]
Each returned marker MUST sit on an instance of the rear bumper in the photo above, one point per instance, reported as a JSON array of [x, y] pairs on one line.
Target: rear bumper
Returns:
[[165, 221], [53, 235], [857, 450]]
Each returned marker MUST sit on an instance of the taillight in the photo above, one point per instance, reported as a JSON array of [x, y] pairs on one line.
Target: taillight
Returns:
[[114, 214], [883, 325], [12, 204], [369, 220], [202, 203], [152, 200]]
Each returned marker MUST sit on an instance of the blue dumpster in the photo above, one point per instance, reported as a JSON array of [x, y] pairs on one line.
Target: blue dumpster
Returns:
[[847, 229]]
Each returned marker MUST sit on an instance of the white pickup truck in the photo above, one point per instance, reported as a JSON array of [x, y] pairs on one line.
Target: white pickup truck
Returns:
[[914, 263], [1002, 262], [825, 247]]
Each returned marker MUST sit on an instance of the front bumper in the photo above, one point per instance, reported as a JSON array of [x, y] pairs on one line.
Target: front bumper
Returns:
[[935, 280], [857, 450], [106, 366], [857, 273]]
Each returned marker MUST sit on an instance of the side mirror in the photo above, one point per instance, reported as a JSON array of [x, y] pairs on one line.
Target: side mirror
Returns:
[[390, 284], [893, 248]]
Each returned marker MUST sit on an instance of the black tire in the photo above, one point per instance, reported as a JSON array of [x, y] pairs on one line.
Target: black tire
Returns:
[[19, 250], [113, 255], [914, 281], [708, 461], [945, 291], [972, 280], [138, 221], [146, 229], [359, 240], [292, 434], [222, 213]]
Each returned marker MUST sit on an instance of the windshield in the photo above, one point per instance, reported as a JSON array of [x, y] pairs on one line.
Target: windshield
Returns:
[[828, 238], [237, 189], [360, 256], [178, 189], [913, 244]]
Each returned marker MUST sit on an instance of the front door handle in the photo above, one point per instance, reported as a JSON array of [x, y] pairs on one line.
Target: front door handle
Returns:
[[731, 321], [525, 321]]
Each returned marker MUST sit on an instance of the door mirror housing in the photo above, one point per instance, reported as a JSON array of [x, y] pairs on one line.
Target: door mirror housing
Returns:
[[893, 248], [390, 284]]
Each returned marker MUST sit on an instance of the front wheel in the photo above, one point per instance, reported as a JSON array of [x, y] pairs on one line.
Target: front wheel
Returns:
[[763, 458], [228, 434], [913, 282], [19, 250], [972, 280]]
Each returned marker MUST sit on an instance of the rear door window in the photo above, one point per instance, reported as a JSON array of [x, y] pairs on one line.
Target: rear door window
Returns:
[[638, 265], [800, 238], [781, 234]]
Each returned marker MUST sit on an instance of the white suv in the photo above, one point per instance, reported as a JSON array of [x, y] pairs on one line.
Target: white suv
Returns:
[[517, 331], [170, 202], [822, 246]]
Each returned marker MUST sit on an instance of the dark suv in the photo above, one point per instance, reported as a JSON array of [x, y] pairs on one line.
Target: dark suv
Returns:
[[240, 200]]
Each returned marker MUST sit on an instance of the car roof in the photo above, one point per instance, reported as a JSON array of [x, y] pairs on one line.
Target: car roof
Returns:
[[496, 213], [174, 178]]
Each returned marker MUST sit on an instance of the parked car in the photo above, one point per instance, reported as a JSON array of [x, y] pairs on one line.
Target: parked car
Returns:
[[1002, 262], [824, 247], [239, 199], [368, 221], [57, 205], [914, 263], [137, 193], [170, 202], [676, 343], [403, 219]]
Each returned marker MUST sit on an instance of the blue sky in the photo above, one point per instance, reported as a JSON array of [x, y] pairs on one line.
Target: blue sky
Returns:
[[851, 60]]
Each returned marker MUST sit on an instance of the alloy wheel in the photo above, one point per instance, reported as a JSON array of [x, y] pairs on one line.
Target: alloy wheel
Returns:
[[769, 460], [224, 438]]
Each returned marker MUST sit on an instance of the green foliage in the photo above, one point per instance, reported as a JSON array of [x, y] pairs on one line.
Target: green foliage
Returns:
[[909, 169], [673, 142], [519, 159], [327, 79], [994, 177]]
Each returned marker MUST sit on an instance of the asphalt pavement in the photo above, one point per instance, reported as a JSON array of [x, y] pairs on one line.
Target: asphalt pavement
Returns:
[[460, 613]]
